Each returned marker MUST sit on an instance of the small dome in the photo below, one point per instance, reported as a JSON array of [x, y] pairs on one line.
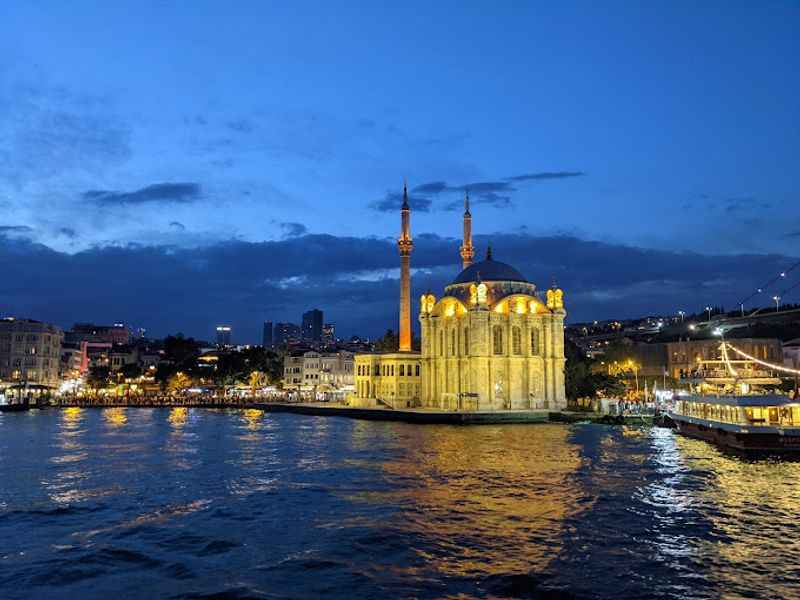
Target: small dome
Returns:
[[489, 270]]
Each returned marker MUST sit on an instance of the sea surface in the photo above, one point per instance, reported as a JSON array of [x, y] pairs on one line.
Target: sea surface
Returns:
[[194, 503]]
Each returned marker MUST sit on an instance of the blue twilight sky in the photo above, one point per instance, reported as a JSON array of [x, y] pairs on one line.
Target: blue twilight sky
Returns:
[[176, 165]]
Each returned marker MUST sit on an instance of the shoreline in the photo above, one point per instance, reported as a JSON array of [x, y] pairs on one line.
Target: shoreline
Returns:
[[412, 416]]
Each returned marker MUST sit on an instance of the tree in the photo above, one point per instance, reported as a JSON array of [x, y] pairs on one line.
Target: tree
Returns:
[[178, 382], [257, 380], [98, 377], [390, 342], [581, 381]]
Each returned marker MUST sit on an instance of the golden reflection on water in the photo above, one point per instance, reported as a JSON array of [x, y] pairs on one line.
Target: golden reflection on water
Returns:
[[495, 497], [178, 416], [115, 417], [252, 418], [750, 502]]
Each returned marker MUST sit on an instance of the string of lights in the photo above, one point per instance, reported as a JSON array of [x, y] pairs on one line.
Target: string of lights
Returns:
[[780, 276], [727, 361], [761, 362]]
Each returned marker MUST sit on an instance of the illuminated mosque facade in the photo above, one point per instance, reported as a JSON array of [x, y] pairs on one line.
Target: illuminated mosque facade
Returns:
[[489, 343]]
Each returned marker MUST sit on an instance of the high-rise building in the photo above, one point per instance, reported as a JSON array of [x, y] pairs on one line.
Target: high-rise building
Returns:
[[266, 339], [312, 325], [285, 334], [223, 336]]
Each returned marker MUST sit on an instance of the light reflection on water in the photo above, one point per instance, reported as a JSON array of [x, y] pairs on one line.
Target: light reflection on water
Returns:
[[253, 504]]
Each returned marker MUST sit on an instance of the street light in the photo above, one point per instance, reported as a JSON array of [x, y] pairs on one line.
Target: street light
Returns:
[[708, 310], [681, 314], [777, 303]]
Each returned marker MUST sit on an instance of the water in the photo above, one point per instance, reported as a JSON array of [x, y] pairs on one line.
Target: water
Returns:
[[159, 503]]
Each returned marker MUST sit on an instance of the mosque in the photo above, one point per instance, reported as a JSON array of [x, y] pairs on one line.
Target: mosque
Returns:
[[489, 343]]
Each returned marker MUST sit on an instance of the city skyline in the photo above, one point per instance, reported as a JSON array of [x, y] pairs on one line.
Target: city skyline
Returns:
[[651, 171]]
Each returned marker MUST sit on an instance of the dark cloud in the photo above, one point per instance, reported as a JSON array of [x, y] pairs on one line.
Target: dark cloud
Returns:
[[546, 175], [177, 225], [67, 232], [393, 200], [241, 125], [294, 229], [487, 187], [157, 192], [491, 193], [792, 234], [434, 187], [168, 289], [487, 198], [15, 229]]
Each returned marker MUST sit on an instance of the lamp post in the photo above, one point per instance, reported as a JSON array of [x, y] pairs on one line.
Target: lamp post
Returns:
[[681, 314], [708, 310], [777, 303]]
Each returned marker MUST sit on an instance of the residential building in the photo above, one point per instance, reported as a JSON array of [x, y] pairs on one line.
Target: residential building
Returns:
[[319, 372], [30, 352]]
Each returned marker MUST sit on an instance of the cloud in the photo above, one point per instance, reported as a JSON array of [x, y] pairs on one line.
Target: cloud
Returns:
[[546, 175], [157, 192], [294, 229], [490, 193], [354, 280], [434, 187], [177, 225], [67, 232], [393, 201], [792, 234], [488, 198], [15, 229]]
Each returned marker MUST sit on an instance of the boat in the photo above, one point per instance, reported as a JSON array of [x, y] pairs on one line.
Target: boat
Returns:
[[14, 406], [765, 423]]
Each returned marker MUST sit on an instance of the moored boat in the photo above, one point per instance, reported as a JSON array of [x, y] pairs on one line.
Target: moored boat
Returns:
[[768, 423]]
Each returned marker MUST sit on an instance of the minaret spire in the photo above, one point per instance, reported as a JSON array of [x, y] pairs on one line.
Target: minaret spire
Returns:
[[405, 245], [467, 251]]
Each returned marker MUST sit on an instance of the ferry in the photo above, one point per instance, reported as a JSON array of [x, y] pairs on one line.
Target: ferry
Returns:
[[766, 423]]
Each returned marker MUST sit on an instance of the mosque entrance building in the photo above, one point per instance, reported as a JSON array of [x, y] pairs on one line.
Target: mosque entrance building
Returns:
[[490, 343]]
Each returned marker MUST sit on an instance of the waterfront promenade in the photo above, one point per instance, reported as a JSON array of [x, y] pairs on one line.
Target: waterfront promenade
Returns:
[[334, 409]]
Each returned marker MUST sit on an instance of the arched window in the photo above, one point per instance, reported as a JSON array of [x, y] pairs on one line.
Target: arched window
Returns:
[[452, 342], [534, 341], [466, 341], [516, 340], [441, 343], [402, 370], [416, 371], [497, 339]]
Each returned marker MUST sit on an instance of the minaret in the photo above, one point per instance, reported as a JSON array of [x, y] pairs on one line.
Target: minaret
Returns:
[[405, 245], [467, 251]]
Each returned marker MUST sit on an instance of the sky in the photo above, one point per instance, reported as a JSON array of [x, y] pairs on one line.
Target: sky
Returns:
[[177, 166]]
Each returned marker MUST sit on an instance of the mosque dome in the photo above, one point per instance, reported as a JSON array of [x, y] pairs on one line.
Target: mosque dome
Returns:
[[489, 270]]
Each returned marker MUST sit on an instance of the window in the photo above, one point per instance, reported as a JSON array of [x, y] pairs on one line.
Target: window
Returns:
[[516, 340], [392, 370], [417, 371], [497, 339], [466, 341], [441, 343], [402, 370], [534, 341], [452, 342]]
